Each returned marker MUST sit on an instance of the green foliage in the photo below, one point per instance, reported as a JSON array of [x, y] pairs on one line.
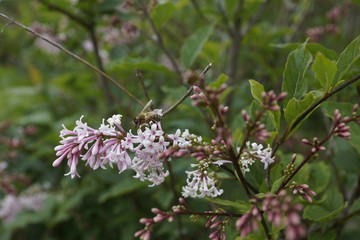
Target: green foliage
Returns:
[[328, 208], [325, 70], [193, 45], [294, 74]]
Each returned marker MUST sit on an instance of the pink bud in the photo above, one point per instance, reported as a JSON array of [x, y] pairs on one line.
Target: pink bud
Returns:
[[197, 89]]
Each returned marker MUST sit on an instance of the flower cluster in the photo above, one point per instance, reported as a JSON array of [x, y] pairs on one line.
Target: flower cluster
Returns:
[[255, 151], [112, 145], [12, 204], [219, 226]]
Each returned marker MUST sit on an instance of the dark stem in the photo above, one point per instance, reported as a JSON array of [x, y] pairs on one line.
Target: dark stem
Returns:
[[57, 45], [103, 83], [141, 79]]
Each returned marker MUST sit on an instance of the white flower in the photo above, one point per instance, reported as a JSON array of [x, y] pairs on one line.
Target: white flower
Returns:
[[115, 120], [200, 185]]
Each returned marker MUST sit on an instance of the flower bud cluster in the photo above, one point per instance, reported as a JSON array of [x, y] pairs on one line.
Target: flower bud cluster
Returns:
[[303, 190], [281, 211], [315, 144], [341, 128], [209, 97], [219, 227], [161, 216], [332, 27], [249, 221], [255, 151], [257, 128], [270, 100]]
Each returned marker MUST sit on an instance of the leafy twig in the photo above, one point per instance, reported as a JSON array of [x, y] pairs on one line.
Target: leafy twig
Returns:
[[309, 110]]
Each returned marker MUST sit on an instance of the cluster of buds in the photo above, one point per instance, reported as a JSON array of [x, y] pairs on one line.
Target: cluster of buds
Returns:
[[161, 216], [315, 144], [281, 211], [257, 129], [333, 16], [303, 190], [341, 128], [270, 100], [291, 166], [210, 97], [249, 221], [215, 222]]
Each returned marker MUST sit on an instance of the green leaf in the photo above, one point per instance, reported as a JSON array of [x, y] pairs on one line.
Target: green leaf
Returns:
[[256, 90], [241, 206], [328, 235], [296, 107], [294, 74], [320, 174], [325, 70], [219, 81], [355, 206], [275, 117], [162, 13], [193, 45], [347, 59], [331, 205], [276, 185]]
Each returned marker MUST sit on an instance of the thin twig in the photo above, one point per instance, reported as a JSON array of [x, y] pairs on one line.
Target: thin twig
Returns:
[[160, 43], [188, 92], [57, 45], [141, 79], [3, 28]]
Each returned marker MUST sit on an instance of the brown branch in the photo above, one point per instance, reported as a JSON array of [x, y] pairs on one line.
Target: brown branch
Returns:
[[57, 45], [141, 79]]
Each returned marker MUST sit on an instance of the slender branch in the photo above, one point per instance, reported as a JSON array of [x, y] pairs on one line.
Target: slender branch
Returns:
[[308, 157], [57, 45], [5, 26], [103, 83], [141, 79], [309, 110], [160, 43], [188, 92]]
